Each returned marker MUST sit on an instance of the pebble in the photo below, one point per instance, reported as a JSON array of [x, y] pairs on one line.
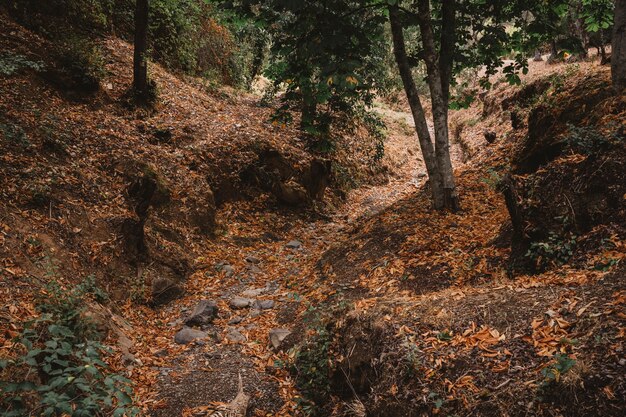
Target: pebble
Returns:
[[241, 302], [293, 244]]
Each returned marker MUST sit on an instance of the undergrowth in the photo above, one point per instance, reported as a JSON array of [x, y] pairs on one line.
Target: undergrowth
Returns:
[[57, 368]]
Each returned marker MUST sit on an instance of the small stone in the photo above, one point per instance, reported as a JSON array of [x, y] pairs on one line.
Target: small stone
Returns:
[[254, 292], [254, 269], [263, 304], [255, 313], [188, 335], [241, 302], [225, 267], [235, 335], [277, 336], [204, 313], [235, 320], [252, 259], [293, 244]]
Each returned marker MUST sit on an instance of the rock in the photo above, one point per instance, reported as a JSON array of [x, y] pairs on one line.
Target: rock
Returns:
[[277, 336], [235, 320], [255, 313], [235, 335], [293, 244], [252, 260], [254, 292], [187, 335], [241, 302], [203, 314], [490, 136], [263, 304], [254, 269], [165, 290]]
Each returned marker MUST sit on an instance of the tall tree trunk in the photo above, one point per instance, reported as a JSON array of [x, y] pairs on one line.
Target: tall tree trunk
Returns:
[[439, 100], [618, 47], [448, 38], [140, 64], [421, 126]]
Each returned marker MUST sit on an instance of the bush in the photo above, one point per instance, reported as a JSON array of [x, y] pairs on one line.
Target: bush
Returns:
[[12, 63], [311, 364], [588, 140], [60, 370], [556, 250], [80, 62]]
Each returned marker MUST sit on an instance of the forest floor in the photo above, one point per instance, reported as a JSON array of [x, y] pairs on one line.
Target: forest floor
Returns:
[[420, 314]]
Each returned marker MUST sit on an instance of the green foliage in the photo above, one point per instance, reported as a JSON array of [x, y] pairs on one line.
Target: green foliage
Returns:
[[492, 179], [12, 63], [14, 134], [557, 249], [329, 57], [312, 364], [552, 374], [81, 60], [588, 140], [61, 370], [597, 14], [50, 16]]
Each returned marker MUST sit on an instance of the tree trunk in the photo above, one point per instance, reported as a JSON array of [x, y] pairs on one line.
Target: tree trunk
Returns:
[[618, 47], [421, 127], [439, 105], [140, 64]]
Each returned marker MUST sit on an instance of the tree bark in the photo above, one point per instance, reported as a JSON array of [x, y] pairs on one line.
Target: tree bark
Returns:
[[419, 117], [439, 105], [448, 35], [618, 47], [140, 64]]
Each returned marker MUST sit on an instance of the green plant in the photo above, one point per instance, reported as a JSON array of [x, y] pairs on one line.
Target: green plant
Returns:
[[557, 249], [15, 134], [311, 364], [551, 374], [12, 63], [492, 179], [60, 368], [81, 60], [588, 140]]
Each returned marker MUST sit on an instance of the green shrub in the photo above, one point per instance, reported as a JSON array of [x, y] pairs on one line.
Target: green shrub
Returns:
[[60, 370], [81, 61], [588, 140], [12, 63], [15, 135], [311, 365], [556, 250]]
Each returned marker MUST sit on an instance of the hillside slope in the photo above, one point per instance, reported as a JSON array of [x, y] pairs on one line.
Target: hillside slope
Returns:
[[386, 308]]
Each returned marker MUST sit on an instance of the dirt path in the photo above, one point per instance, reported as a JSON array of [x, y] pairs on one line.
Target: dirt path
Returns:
[[263, 257], [403, 158]]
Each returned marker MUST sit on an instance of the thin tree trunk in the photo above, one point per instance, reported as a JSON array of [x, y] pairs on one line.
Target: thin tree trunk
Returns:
[[618, 47], [421, 127], [440, 106], [140, 64], [446, 60]]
